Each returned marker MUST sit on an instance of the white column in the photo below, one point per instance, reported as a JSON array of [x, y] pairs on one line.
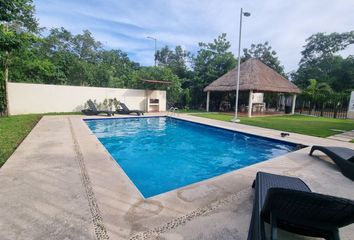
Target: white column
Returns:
[[250, 104], [293, 104], [207, 103]]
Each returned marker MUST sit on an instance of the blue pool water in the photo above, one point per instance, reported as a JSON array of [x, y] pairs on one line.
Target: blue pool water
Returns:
[[160, 154]]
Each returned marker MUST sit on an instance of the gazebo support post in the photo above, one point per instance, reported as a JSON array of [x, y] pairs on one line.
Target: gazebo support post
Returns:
[[250, 104], [293, 104], [207, 103]]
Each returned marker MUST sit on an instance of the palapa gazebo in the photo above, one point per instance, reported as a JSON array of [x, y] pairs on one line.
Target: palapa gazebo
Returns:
[[255, 76]]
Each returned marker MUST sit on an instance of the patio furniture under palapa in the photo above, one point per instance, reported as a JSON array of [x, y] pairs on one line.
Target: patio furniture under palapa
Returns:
[[255, 76]]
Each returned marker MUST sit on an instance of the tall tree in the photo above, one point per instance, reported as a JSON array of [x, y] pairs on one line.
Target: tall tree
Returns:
[[17, 21], [265, 53], [317, 93], [333, 70], [175, 60], [321, 45], [64, 58], [212, 61], [319, 61], [119, 66], [86, 47], [58, 40]]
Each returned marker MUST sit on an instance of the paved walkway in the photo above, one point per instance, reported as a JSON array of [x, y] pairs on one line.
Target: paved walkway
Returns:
[[61, 183], [41, 193], [345, 136]]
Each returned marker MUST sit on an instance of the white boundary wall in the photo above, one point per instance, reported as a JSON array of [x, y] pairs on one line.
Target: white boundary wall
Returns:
[[25, 98]]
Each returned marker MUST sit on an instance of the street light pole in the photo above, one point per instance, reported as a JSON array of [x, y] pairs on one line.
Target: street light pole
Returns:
[[246, 14], [155, 47]]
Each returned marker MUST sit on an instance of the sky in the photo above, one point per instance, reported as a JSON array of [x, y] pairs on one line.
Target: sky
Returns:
[[125, 24]]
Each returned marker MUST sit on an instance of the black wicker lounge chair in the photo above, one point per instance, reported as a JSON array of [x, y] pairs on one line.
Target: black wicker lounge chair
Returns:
[[125, 110], [92, 110], [343, 157], [288, 203]]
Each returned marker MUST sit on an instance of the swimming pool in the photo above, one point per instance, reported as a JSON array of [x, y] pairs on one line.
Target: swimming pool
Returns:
[[160, 154]]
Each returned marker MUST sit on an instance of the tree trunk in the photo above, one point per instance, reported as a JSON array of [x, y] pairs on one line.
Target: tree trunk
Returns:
[[335, 111], [310, 107], [3, 97], [322, 109], [5, 100], [314, 109]]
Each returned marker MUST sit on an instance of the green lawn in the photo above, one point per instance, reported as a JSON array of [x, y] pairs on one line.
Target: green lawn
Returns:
[[314, 126], [14, 129]]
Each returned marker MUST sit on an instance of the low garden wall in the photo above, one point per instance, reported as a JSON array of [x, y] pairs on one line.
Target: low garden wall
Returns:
[[25, 98]]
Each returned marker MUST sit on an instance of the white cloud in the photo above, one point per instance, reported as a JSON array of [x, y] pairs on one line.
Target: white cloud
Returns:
[[285, 24]]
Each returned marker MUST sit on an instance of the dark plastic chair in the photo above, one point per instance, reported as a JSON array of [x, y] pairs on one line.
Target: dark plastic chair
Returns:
[[288, 203], [125, 110], [342, 157], [92, 110]]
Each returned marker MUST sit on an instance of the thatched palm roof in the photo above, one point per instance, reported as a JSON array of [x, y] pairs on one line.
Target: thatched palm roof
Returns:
[[256, 76]]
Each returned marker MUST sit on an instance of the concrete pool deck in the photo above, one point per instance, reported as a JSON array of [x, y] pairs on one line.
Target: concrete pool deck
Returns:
[[61, 183]]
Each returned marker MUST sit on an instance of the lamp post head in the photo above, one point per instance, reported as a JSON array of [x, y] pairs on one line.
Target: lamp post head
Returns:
[[246, 14], [152, 38]]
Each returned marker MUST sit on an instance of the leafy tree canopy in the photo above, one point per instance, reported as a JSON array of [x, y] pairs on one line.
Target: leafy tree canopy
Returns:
[[265, 53], [319, 61], [17, 22], [64, 58], [316, 90], [211, 61], [321, 45], [16, 19], [175, 59], [20, 13], [178, 60], [333, 70]]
